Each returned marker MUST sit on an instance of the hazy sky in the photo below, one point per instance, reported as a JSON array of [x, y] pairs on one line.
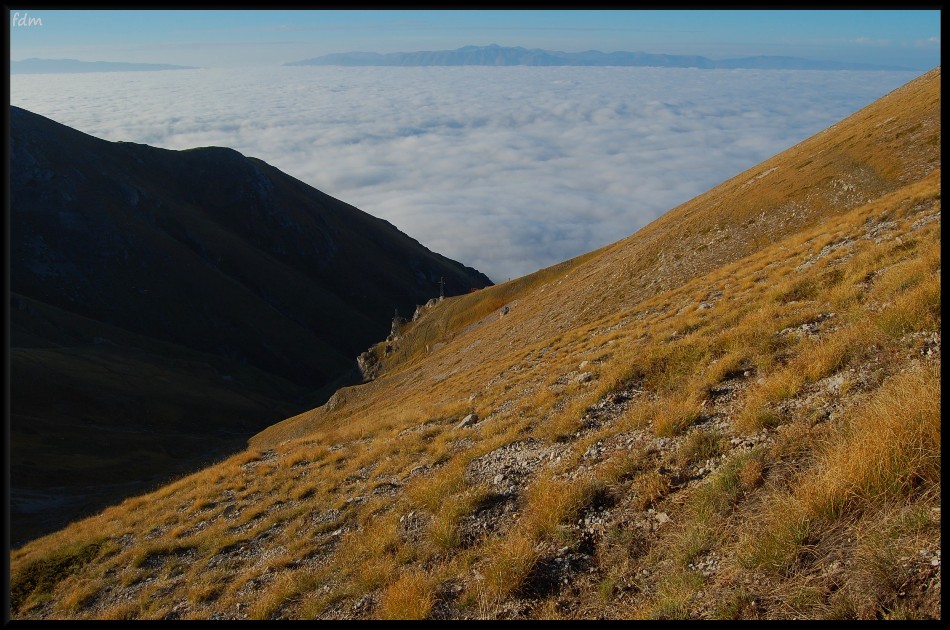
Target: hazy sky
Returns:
[[219, 38]]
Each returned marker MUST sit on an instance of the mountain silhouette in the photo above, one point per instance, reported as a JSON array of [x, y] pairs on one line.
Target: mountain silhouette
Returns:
[[161, 297]]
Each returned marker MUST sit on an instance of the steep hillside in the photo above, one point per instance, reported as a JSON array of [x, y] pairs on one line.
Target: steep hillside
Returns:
[[168, 304], [733, 413], [887, 145]]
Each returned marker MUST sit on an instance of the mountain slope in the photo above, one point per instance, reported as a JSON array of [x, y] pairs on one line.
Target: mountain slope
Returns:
[[180, 299], [877, 150], [733, 413]]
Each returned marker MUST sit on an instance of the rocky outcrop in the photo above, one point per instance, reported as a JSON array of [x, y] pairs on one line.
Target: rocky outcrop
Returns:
[[369, 365]]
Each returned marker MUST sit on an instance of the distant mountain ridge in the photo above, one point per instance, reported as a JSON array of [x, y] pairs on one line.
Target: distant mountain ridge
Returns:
[[495, 55], [72, 66]]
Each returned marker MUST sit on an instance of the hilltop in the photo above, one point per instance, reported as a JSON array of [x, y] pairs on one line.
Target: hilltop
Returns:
[[732, 413], [166, 305]]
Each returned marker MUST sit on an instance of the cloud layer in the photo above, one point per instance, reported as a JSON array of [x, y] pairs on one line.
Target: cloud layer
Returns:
[[508, 170]]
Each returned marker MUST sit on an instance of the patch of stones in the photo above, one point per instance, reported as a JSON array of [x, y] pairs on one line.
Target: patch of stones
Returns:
[[445, 606], [820, 400], [156, 531], [267, 456], [927, 342], [594, 523], [748, 442], [641, 439], [468, 421], [362, 474], [502, 409], [810, 329], [155, 561], [508, 468], [623, 322], [826, 251], [710, 300], [327, 516], [419, 427], [125, 540], [413, 526], [555, 571], [930, 557], [492, 514], [877, 231], [458, 446], [726, 396], [610, 407], [707, 565], [387, 488], [245, 527], [579, 375], [249, 553], [703, 469], [720, 406], [254, 585], [365, 604], [924, 220], [199, 526], [921, 572], [231, 511]]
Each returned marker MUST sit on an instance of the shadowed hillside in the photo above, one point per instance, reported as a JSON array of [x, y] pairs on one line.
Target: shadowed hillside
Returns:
[[733, 413], [168, 304]]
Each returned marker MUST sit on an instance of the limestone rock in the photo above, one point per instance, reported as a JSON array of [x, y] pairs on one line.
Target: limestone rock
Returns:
[[467, 421]]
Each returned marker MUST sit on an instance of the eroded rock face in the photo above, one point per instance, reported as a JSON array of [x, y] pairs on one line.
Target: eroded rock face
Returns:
[[369, 365]]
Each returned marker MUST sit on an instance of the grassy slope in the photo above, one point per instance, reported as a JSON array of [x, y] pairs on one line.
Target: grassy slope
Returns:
[[734, 413], [878, 149]]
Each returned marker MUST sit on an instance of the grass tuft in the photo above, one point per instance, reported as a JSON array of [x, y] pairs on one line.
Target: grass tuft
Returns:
[[411, 596]]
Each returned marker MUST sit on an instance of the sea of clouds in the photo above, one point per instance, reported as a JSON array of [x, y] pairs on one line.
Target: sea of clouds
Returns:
[[507, 169]]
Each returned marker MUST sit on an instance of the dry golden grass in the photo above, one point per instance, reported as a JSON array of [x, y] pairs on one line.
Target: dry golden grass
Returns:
[[430, 493], [648, 487], [698, 447], [550, 502], [879, 556], [672, 598], [508, 561], [887, 452], [77, 593], [671, 416], [563, 425], [759, 410], [409, 597], [620, 467]]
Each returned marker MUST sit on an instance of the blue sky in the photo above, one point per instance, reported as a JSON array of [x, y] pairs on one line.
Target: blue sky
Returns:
[[229, 38]]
